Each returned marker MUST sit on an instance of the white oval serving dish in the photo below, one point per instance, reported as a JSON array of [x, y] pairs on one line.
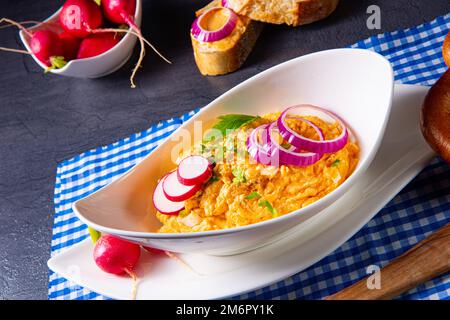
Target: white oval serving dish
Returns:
[[355, 84], [97, 66]]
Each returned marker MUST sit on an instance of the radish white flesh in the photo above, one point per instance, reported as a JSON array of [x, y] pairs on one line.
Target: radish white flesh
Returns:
[[164, 205], [194, 170], [175, 190]]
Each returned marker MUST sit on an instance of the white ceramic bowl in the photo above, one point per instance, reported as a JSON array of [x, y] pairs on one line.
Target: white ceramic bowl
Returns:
[[355, 84], [97, 66]]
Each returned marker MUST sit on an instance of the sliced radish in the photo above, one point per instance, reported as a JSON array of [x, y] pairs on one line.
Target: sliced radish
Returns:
[[194, 170], [175, 190], [164, 205]]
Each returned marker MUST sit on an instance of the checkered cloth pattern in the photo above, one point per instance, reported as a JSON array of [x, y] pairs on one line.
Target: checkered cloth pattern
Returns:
[[421, 207]]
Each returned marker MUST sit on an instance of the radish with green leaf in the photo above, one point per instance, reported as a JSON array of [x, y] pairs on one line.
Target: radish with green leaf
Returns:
[[46, 45]]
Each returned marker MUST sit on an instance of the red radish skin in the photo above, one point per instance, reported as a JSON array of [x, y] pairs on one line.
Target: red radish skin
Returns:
[[175, 190], [120, 11], [70, 45], [45, 44], [194, 170], [96, 44], [164, 205], [116, 256], [78, 17]]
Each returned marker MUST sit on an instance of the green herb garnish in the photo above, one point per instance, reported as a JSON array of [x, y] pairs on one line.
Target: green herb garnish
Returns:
[[232, 122], [239, 175], [183, 213], [253, 195], [213, 178], [98, 2], [95, 235], [265, 203], [286, 145], [335, 163]]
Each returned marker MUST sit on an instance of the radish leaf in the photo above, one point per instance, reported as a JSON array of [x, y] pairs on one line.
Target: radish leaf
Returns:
[[95, 235]]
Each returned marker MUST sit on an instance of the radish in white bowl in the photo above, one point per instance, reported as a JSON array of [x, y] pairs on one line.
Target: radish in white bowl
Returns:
[[84, 20]]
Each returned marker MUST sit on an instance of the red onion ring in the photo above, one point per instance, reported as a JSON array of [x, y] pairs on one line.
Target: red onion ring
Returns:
[[291, 156], [260, 152], [301, 142], [270, 152], [210, 36]]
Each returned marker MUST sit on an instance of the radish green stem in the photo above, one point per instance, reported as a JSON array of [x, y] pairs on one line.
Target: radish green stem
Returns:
[[95, 235]]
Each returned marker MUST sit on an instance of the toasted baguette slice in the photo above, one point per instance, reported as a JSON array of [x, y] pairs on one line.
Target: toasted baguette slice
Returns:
[[226, 55], [291, 12]]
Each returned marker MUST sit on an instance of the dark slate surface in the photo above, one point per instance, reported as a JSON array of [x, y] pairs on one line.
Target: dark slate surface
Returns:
[[45, 119]]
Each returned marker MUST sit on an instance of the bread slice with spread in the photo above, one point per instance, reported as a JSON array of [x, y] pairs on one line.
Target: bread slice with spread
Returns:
[[290, 12], [222, 39]]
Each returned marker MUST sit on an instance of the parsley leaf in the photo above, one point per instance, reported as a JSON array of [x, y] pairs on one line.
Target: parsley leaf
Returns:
[[253, 195], [232, 122], [213, 178], [239, 175], [265, 203], [335, 163]]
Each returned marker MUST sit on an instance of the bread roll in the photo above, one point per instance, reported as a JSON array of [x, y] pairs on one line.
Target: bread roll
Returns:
[[435, 117], [290, 12]]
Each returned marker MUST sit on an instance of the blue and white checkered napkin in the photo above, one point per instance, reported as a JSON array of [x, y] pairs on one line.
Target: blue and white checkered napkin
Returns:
[[422, 207]]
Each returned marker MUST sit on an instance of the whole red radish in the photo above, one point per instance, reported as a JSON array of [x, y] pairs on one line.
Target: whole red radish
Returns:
[[116, 256], [79, 17], [120, 11], [70, 45], [45, 44], [96, 44]]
